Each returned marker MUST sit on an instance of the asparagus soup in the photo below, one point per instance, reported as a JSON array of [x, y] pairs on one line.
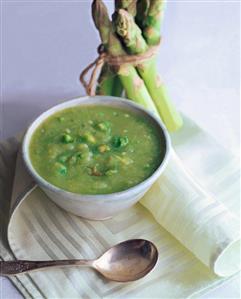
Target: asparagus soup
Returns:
[[96, 149]]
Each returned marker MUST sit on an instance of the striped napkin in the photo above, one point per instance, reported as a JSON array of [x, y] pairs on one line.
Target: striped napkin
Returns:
[[197, 234]]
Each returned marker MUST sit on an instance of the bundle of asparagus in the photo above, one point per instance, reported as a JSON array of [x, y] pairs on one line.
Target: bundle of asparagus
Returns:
[[134, 29]]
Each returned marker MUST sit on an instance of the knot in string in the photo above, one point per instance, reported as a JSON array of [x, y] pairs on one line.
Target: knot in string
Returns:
[[105, 57]]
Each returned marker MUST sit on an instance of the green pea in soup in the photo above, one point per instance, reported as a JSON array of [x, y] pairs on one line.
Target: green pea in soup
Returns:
[[96, 149]]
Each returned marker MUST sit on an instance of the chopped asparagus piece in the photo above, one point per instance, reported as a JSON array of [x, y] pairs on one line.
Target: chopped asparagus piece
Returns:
[[111, 172], [119, 141], [66, 138], [103, 148], [104, 126], [53, 151], [75, 158], [83, 147], [63, 158], [67, 130], [89, 137], [60, 168], [61, 119]]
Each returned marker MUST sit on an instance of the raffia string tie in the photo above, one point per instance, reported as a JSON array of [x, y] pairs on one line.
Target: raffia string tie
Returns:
[[105, 57]]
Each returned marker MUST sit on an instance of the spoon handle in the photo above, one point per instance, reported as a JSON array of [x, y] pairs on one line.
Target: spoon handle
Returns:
[[21, 266]]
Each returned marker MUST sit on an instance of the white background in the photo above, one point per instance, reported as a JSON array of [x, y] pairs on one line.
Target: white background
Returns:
[[46, 44]]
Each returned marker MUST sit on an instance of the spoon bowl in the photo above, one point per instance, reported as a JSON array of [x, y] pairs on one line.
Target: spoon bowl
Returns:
[[126, 261]]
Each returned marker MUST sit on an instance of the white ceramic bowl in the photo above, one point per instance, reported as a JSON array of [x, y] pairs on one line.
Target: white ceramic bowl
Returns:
[[99, 206]]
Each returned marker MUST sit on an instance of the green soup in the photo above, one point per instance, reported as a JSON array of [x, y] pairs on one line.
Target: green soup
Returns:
[[96, 149]]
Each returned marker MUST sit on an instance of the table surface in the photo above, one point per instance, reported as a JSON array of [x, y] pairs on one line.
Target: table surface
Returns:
[[45, 45]]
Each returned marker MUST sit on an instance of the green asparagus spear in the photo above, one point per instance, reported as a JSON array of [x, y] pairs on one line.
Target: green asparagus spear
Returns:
[[129, 5], [101, 20], [131, 36], [129, 32], [153, 21], [142, 8], [108, 82], [134, 86]]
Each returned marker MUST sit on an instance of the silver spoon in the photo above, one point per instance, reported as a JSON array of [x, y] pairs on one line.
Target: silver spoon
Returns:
[[126, 261]]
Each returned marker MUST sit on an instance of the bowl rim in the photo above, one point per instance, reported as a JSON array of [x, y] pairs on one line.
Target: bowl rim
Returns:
[[105, 101]]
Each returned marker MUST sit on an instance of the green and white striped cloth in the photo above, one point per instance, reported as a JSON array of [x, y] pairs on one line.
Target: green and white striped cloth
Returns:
[[190, 228]]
